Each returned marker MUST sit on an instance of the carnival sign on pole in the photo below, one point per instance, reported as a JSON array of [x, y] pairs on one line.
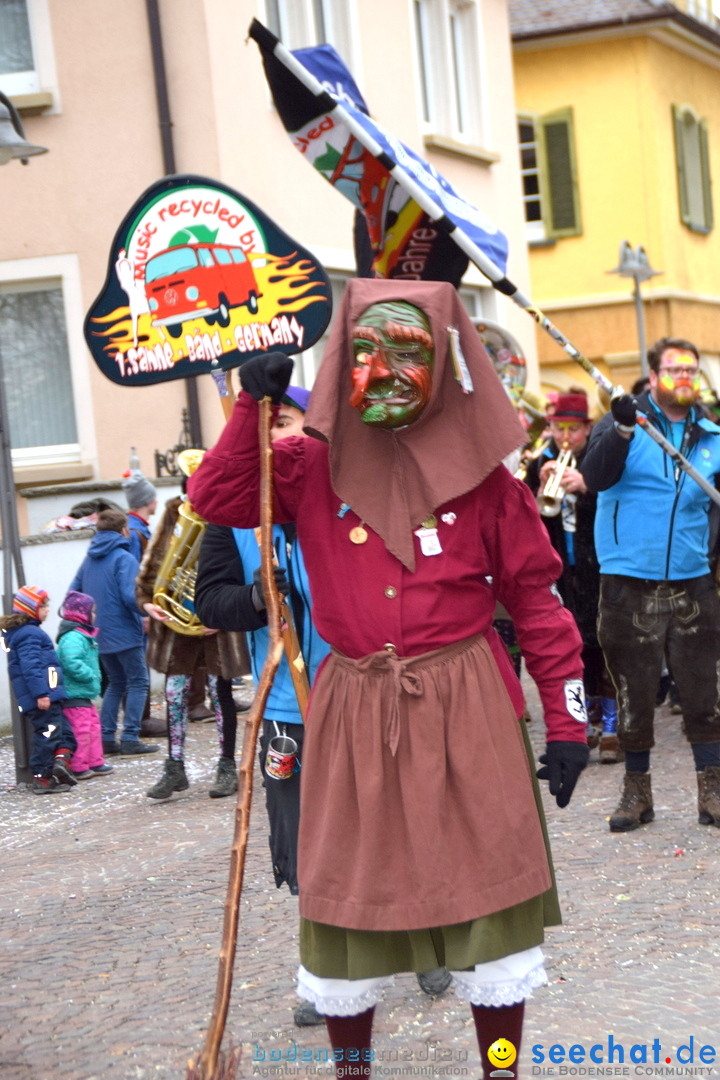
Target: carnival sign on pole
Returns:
[[200, 280]]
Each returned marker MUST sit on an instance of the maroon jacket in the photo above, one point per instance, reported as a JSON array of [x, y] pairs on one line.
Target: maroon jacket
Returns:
[[364, 598]]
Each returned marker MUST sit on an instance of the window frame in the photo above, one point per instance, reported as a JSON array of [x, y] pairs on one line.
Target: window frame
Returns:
[[452, 95], [546, 229], [42, 78], [295, 23], [702, 179], [59, 271]]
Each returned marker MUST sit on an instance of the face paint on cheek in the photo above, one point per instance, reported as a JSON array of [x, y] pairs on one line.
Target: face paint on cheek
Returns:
[[667, 382]]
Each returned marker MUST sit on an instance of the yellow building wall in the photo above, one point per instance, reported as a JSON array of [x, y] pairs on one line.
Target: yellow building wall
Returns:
[[621, 90]]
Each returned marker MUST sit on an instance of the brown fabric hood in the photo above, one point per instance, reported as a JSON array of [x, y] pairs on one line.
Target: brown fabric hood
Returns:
[[394, 479]]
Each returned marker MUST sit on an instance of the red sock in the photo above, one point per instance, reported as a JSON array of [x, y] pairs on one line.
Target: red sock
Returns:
[[504, 1022], [352, 1036]]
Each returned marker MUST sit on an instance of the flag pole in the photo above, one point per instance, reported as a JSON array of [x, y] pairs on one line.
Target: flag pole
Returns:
[[330, 106]]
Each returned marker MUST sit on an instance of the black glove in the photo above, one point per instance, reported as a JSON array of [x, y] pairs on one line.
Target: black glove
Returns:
[[624, 409], [267, 376], [281, 584], [562, 763]]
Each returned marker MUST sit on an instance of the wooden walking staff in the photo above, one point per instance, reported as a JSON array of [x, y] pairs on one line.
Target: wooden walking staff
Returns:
[[212, 1065], [293, 652]]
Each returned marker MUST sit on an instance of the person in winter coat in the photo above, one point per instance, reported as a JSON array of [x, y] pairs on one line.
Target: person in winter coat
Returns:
[[107, 573], [36, 678], [78, 653], [421, 839], [178, 656]]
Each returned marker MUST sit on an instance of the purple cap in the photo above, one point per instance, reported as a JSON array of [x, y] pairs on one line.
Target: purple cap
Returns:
[[297, 397]]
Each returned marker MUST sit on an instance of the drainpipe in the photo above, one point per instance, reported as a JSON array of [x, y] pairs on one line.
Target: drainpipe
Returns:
[[168, 151]]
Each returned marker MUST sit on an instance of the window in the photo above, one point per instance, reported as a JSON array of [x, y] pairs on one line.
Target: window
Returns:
[[693, 169], [302, 23], [44, 366], [27, 64], [449, 65], [549, 175]]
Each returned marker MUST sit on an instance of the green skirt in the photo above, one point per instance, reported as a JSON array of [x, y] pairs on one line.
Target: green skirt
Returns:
[[332, 952]]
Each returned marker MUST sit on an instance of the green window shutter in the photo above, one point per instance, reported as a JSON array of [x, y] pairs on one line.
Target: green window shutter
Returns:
[[706, 182], [561, 197], [692, 160], [678, 128]]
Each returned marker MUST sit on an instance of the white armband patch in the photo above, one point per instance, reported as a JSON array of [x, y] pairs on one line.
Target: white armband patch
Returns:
[[575, 700]]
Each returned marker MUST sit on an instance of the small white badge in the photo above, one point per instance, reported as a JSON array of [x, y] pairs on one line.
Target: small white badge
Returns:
[[449, 519], [429, 541], [575, 700]]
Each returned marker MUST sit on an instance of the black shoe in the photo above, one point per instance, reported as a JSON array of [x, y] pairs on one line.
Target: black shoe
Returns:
[[306, 1015], [46, 785], [110, 748], [137, 747], [434, 982], [62, 772]]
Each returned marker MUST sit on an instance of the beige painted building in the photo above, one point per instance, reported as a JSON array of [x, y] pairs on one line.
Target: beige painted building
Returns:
[[83, 75]]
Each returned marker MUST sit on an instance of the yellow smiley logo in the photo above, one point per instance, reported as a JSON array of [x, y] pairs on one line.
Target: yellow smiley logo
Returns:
[[502, 1053]]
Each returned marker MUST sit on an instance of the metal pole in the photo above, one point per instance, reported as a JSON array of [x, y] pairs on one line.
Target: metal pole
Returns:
[[640, 315], [11, 556]]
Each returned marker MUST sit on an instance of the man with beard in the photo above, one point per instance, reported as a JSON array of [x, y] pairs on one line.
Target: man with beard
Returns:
[[421, 836], [652, 536]]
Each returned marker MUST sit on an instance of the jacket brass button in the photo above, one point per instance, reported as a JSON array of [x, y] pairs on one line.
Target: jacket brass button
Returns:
[[390, 592], [389, 647]]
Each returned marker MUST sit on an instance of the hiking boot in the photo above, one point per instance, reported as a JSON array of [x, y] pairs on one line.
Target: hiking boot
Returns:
[[709, 796], [200, 714], [610, 752], [434, 982], [110, 748], [152, 726], [137, 747], [635, 807], [61, 768], [306, 1015], [225, 782], [172, 779], [46, 785]]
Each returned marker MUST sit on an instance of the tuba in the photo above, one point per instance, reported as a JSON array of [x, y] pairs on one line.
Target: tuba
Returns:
[[550, 501], [175, 582]]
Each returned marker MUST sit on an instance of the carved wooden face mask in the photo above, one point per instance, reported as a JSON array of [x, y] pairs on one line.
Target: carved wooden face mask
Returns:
[[393, 364]]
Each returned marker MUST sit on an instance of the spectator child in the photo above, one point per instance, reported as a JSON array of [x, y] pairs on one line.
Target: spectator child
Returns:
[[36, 678], [80, 663]]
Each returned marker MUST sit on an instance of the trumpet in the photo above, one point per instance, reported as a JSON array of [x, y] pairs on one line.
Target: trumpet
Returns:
[[530, 454], [550, 501]]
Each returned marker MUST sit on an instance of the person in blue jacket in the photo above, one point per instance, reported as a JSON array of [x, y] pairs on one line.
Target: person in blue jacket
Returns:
[[228, 596], [36, 678], [653, 530], [108, 573]]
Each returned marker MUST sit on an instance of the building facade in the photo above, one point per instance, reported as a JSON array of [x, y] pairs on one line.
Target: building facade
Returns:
[[90, 78], [619, 129]]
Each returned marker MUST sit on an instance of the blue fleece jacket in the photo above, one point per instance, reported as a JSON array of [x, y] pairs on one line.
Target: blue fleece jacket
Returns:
[[33, 665], [652, 520], [107, 573]]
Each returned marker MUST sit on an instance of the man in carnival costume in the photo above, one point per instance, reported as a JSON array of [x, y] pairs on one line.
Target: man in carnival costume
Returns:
[[410, 528]]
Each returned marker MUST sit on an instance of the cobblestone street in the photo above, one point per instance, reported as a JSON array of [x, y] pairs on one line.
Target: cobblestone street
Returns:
[[112, 915]]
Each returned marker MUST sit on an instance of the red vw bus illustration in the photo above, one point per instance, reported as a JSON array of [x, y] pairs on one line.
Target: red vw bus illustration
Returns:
[[199, 280]]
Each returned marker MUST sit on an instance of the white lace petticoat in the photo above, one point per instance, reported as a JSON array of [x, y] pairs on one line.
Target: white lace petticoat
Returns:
[[498, 982]]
